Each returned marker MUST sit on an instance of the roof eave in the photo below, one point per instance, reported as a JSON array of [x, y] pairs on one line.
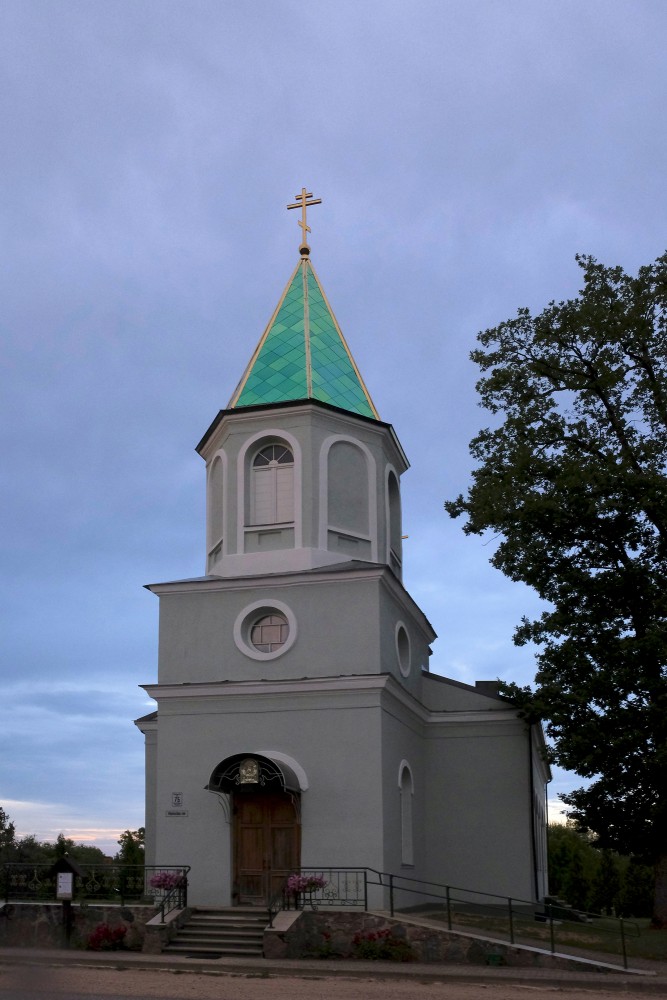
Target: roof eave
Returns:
[[286, 404]]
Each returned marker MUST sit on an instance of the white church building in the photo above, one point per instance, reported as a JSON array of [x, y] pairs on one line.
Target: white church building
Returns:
[[297, 722]]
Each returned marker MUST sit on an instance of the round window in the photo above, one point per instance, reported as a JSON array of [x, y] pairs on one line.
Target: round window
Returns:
[[263, 630], [269, 633]]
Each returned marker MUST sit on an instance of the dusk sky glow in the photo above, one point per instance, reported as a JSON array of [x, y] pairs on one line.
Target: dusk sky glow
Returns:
[[464, 151]]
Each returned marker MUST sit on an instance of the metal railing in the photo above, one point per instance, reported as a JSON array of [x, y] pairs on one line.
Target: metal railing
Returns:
[[507, 919], [345, 887], [109, 883], [175, 898], [502, 918]]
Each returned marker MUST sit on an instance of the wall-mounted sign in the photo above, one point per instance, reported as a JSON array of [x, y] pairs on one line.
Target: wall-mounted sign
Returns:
[[64, 885], [176, 812], [177, 800]]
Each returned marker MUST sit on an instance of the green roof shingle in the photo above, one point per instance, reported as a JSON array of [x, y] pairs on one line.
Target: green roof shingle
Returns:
[[302, 354]]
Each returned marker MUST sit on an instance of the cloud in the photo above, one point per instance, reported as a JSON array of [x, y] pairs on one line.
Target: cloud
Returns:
[[45, 820], [463, 152]]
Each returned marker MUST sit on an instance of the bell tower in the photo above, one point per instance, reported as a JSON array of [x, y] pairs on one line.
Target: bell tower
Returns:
[[301, 471]]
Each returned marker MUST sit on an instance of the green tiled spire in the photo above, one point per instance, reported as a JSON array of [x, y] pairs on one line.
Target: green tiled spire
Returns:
[[303, 354]]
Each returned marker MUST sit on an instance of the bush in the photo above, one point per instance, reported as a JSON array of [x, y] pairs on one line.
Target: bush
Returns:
[[107, 938], [382, 945]]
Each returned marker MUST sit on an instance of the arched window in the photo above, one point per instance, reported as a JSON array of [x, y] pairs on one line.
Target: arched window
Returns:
[[394, 510], [348, 488], [272, 489], [406, 787], [215, 505]]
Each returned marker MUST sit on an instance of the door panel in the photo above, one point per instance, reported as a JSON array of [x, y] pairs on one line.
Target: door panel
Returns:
[[266, 845]]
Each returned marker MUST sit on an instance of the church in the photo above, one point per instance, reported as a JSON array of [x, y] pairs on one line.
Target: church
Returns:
[[297, 723]]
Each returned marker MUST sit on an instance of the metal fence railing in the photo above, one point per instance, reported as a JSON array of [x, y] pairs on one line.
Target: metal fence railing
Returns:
[[158, 885], [548, 926], [505, 919]]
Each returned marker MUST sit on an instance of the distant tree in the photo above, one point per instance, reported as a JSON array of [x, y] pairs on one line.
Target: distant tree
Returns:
[[573, 863], [636, 895], [29, 850], [88, 854], [606, 888], [131, 847], [574, 481], [84, 853], [63, 845], [32, 851], [7, 838]]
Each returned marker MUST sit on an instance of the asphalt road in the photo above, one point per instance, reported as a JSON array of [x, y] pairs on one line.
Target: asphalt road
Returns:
[[43, 983]]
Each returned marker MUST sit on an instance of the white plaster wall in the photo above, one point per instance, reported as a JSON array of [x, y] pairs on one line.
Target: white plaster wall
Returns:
[[402, 740], [336, 740], [479, 810], [441, 694], [391, 613], [151, 759], [337, 625]]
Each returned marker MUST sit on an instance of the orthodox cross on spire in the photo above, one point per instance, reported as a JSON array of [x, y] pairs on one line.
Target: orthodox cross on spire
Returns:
[[303, 201]]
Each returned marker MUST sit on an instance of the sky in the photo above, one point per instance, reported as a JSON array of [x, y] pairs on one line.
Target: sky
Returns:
[[464, 152]]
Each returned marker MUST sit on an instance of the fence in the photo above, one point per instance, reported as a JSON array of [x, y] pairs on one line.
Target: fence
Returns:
[[161, 886], [550, 927]]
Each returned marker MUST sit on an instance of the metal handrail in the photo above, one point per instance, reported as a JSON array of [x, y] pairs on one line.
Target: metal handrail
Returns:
[[176, 898], [448, 895]]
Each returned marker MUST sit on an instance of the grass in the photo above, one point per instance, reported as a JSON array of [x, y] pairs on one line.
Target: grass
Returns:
[[602, 935]]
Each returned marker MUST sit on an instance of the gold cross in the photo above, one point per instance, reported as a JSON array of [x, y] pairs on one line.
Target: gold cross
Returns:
[[302, 202]]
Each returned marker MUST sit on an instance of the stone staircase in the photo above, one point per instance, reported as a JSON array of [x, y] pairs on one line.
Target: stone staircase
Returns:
[[213, 932]]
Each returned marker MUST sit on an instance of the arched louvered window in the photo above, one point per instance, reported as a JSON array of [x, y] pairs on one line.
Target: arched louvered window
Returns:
[[272, 491], [406, 787], [215, 504], [395, 543]]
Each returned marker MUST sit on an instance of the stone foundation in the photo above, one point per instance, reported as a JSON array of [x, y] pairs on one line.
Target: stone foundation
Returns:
[[40, 925], [308, 934]]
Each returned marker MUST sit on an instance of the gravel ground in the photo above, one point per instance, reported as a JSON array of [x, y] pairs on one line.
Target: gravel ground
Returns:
[[35, 983]]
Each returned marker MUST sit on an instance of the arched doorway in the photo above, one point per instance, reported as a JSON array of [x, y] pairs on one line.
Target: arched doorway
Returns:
[[266, 828]]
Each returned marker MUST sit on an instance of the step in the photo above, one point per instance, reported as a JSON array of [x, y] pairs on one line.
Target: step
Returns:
[[189, 934], [232, 933], [210, 921], [221, 931]]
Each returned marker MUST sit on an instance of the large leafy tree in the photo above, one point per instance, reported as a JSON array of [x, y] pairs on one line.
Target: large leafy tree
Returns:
[[131, 847], [7, 837], [572, 478]]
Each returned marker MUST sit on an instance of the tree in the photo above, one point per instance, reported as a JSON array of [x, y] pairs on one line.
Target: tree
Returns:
[[573, 480], [29, 850], [131, 847], [86, 854], [573, 864], [635, 898], [606, 887], [7, 838]]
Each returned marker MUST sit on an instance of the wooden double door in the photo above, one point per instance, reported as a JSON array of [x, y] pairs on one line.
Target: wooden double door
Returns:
[[267, 845]]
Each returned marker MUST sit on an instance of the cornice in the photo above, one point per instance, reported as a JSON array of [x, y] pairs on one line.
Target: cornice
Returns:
[[353, 684], [360, 572], [232, 689], [212, 584], [258, 413]]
